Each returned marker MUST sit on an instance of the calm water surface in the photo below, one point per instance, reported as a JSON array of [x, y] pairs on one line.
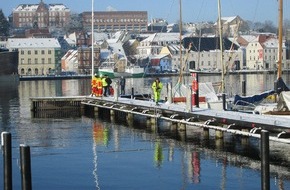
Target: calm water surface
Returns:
[[96, 153]]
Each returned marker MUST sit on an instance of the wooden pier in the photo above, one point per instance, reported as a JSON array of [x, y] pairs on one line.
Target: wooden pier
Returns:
[[237, 123]]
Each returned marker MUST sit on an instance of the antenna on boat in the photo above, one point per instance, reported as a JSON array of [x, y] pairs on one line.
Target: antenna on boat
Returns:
[[93, 72]]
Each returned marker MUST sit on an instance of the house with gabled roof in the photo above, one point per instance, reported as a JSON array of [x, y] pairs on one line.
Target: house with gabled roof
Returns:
[[230, 25], [205, 53], [262, 53]]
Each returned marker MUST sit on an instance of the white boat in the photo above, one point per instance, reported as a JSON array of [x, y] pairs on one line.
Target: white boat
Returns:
[[108, 68], [135, 71]]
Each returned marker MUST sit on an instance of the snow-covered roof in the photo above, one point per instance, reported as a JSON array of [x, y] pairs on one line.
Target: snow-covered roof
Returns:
[[249, 38], [100, 36], [228, 19], [33, 43], [116, 47], [33, 7], [271, 43], [167, 37], [57, 7]]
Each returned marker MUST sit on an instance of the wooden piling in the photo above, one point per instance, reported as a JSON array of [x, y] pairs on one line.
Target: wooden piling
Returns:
[[265, 167], [205, 133], [219, 134], [219, 143], [172, 126], [96, 111], [181, 127], [25, 167], [7, 159], [245, 139]]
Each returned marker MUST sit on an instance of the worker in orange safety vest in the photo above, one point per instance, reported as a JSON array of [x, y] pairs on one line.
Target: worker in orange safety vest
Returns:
[[97, 86]]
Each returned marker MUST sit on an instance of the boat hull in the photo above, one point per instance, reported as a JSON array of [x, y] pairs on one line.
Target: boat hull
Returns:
[[113, 74]]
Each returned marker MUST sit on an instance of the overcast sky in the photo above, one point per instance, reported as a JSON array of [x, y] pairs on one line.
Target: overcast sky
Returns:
[[192, 10]]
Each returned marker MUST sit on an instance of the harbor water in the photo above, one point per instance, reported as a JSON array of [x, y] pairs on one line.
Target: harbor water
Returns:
[[97, 153]]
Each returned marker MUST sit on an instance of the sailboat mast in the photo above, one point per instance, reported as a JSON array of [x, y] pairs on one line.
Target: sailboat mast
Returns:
[[280, 34], [221, 46], [93, 72], [180, 39]]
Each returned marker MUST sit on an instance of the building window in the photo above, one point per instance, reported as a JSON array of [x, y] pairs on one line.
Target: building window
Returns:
[[35, 52], [29, 52], [42, 52], [49, 60], [42, 60], [49, 51], [29, 61], [35, 61], [22, 52]]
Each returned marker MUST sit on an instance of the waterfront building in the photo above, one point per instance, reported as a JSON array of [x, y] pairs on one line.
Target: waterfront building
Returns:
[[262, 53], [205, 54], [173, 51], [116, 20], [161, 63], [40, 15], [153, 44], [37, 56]]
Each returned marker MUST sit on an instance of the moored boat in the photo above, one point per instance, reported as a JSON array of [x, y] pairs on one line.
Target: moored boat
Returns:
[[131, 71]]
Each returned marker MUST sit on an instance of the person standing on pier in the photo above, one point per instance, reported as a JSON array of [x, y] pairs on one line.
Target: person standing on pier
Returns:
[[94, 85], [99, 86], [109, 87], [157, 87], [122, 84]]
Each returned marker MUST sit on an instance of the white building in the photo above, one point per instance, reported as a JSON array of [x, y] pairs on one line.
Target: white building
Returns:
[[37, 56], [262, 53]]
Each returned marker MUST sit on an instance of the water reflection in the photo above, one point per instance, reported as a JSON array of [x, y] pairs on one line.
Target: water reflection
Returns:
[[99, 139], [196, 167], [161, 155], [158, 154], [9, 102]]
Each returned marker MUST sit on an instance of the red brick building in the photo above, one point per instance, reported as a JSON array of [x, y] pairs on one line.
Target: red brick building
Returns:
[[116, 20], [40, 15]]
